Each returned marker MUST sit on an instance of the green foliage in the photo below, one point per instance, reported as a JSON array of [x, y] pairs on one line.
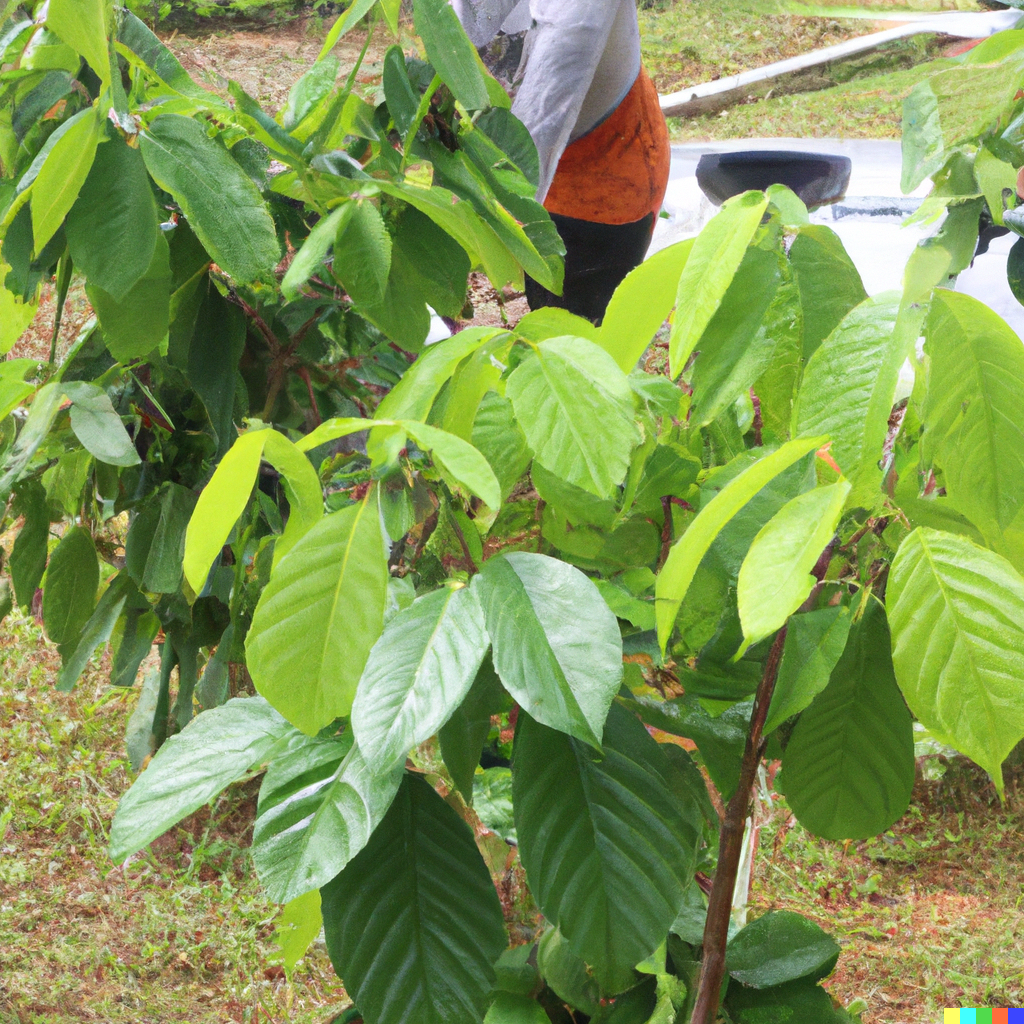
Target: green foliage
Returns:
[[510, 531]]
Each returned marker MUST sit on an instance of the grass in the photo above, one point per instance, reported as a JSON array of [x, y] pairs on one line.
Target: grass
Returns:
[[181, 933]]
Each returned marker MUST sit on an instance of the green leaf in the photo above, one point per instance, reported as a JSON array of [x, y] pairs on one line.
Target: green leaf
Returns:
[[576, 409], [796, 1002], [973, 415], [450, 51], [923, 143], [957, 616], [686, 554], [314, 249], [829, 283], [319, 616], [463, 736], [28, 555], [780, 946], [62, 176], [362, 254], [608, 847], [310, 91], [13, 389], [217, 748], [557, 646], [112, 228], [135, 40], [98, 426], [499, 438], [848, 769], [566, 974], [641, 304], [155, 544], [222, 205], [297, 928], [137, 325], [301, 487], [459, 460], [318, 805], [815, 642], [82, 24], [415, 937], [716, 256], [96, 631], [775, 576], [41, 415], [6, 600], [848, 391], [223, 500], [418, 673], [15, 316], [509, 1008], [355, 13], [138, 631], [403, 102], [72, 578]]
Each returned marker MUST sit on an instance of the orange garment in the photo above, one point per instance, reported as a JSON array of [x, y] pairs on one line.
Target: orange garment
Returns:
[[618, 172]]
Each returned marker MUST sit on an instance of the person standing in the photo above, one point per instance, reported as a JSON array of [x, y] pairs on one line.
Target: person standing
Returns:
[[595, 117]]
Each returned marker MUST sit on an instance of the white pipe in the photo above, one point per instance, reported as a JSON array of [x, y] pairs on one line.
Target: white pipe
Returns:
[[712, 96]]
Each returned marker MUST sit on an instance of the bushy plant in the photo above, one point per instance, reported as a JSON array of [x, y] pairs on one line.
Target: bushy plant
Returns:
[[732, 540]]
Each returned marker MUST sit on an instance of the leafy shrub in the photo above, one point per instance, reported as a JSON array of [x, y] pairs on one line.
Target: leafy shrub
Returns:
[[534, 530]]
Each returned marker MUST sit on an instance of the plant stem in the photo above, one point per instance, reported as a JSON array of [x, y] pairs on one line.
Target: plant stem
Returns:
[[730, 848]]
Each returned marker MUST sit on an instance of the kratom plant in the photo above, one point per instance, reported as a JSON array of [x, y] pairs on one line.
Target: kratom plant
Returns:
[[619, 566]]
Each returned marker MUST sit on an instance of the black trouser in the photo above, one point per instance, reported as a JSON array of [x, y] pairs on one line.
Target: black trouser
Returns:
[[597, 258]]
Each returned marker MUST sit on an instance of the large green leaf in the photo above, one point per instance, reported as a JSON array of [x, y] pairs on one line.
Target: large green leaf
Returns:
[[957, 616], [923, 143], [112, 228], [28, 554], [509, 1008], [301, 487], [716, 256], [216, 749], [319, 616], [609, 848], [413, 924], [775, 576], [463, 736], [848, 391], [796, 1002], [62, 176], [223, 500], [97, 425], [829, 283], [136, 326], [780, 946], [72, 578], [500, 439], [974, 416], [557, 646], [848, 769], [418, 673], [82, 24], [319, 803], [576, 409], [641, 304], [450, 51], [815, 642], [222, 204], [362, 254], [459, 460], [686, 554]]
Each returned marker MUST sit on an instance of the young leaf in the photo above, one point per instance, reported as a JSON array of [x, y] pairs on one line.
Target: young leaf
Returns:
[[677, 574], [62, 176], [716, 256], [576, 408], [775, 576], [608, 847], [957, 615], [450, 51], [557, 646], [848, 769], [218, 748], [318, 618], [297, 928], [815, 642], [318, 805], [97, 425], [973, 415], [415, 937], [223, 500], [72, 578], [459, 460], [641, 304], [221, 203], [780, 946], [112, 228], [848, 391], [418, 673], [314, 249]]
